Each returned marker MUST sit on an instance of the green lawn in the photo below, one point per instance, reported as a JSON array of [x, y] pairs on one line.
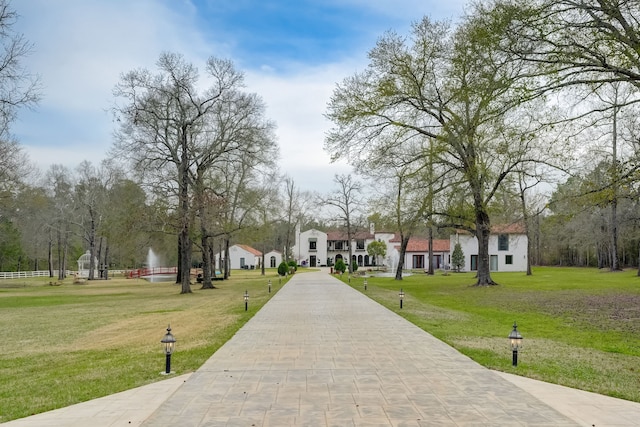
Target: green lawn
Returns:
[[66, 344], [71, 343], [581, 327]]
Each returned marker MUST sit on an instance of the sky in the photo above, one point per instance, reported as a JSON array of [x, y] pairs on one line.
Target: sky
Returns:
[[293, 53]]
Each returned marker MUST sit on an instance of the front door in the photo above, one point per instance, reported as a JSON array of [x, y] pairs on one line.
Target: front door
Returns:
[[312, 261]]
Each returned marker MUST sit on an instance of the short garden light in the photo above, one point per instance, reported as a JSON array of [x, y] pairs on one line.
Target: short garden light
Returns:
[[246, 300], [365, 284], [401, 295], [269, 285], [515, 339], [168, 346]]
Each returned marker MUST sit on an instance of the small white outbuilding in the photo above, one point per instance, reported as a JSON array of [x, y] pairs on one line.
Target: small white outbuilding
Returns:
[[84, 264]]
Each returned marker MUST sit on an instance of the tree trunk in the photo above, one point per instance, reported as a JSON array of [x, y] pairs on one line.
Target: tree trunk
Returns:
[[206, 264], [92, 247], [99, 257], [63, 267], [185, 237], [179, 268], [60, 256], [350, 241], [50, 256], [105, 264], [615, 264], [483, 230], [430, 272], [185, 262], [404, 241], [227, 267]]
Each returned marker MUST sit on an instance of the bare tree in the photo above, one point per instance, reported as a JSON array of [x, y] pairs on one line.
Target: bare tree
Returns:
[[60, 187], [18, 88], [234, 180], [163, 127], [348, 201], [296, 204]]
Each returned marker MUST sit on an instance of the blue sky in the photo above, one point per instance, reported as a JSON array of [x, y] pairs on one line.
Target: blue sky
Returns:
[[293, 54]]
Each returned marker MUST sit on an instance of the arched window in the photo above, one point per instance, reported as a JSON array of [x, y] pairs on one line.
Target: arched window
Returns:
[[272, 261]]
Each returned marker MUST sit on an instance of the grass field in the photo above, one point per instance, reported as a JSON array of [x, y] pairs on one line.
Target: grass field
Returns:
[[581, 327], [71, 343], [66, 344]]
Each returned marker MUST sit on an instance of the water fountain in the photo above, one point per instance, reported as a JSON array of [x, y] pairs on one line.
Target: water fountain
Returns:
[[392, 260], [153, 260], [154, 273]]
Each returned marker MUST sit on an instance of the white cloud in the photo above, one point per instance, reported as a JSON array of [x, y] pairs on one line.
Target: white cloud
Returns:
[[298, 102], [80, 50], [82, 47]]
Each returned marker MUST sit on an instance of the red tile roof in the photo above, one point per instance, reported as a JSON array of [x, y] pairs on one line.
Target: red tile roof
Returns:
[[422, 245], [250, 250]]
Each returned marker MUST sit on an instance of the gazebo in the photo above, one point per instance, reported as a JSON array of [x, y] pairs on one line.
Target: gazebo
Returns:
[[84, 263]]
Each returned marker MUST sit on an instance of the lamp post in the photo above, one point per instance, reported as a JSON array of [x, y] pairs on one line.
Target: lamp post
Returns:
[[246, 300], [365, 284], [168, 346], [269, 285], [401, 295], [515, 339]]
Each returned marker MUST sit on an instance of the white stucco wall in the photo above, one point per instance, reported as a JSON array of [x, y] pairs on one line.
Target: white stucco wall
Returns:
[[517, 250], [303, 254], [235, 255], [267, 258]]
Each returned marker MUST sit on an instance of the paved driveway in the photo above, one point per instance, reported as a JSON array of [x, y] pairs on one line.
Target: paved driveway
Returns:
[[321, 354]]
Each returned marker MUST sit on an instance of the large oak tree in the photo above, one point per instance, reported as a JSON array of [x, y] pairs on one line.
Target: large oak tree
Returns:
[[451, 85], [168, 129]]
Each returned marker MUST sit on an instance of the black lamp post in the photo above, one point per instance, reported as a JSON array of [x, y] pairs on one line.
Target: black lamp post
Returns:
[[401, 295], [269, 285], [515, 339], [168, 346], [365, 284], [246, 300]]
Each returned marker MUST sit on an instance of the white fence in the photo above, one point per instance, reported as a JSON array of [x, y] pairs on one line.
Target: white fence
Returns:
[[43, 273], [25, 274]]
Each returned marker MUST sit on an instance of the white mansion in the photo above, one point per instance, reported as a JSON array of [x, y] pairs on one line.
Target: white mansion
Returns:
[[507, 249]]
